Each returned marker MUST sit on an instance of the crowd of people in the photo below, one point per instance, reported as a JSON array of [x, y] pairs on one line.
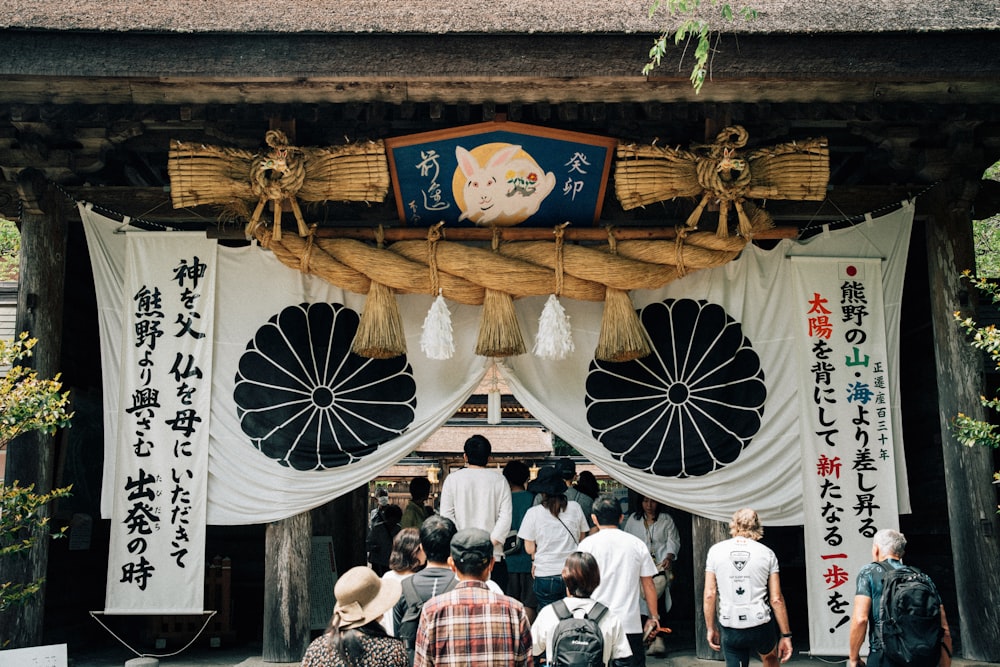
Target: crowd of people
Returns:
[[491, 578]]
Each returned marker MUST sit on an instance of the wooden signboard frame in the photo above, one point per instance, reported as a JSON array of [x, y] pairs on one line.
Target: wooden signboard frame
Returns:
[[557, 176]]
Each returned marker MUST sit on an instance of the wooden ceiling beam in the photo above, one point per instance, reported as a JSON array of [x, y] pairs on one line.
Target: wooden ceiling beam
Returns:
[[153, 204]]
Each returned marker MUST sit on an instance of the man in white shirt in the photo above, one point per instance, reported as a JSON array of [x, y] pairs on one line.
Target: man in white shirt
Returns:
[[626, 568], [478, 497]]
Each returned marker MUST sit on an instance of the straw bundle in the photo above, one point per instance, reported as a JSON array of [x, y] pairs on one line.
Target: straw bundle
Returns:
[[499, 331], [622, 336], [719, 172], [207, 174], [380, 330], [649, 174], [797, 170], [238, 179]]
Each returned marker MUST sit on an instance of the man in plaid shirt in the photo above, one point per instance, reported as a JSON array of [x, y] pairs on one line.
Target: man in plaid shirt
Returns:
[[472, 625]]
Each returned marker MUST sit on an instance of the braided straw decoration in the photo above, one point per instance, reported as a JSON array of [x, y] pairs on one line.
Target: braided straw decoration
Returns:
[[520, 269], [721, 173], [465, 274]]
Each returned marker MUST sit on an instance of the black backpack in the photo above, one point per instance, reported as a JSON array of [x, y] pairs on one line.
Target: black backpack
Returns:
[[909, 628], [407, 629], [577, 642]]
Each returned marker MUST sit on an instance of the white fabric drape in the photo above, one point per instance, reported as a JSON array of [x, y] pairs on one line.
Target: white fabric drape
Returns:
[[245, 486], [757, 291]]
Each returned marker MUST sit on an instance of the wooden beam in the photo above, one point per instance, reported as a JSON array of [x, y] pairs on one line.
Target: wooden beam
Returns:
[[58, 90], [153, 204]]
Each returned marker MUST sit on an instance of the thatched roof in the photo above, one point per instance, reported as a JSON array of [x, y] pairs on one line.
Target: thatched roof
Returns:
[[484, 17]]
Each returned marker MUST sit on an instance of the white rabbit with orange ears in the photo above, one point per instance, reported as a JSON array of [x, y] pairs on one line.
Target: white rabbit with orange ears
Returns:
[[506, 190]]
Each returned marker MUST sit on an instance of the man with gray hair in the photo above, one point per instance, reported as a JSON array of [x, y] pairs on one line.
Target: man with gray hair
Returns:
[[888, 547]]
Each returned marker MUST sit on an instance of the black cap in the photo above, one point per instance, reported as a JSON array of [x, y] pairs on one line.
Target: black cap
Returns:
[[471, 546]]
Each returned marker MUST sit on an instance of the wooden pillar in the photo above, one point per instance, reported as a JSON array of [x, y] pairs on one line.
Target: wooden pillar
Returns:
[[346, 519], [704, 533], [968, 471], [287, 550], [30, 457]]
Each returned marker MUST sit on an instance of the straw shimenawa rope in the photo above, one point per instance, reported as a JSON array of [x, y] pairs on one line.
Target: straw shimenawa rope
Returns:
[[518, 269], [494, 277]]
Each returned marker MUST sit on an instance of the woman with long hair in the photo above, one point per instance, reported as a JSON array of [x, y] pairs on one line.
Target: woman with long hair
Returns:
[[651, 524], [551, 531], [355, 638]]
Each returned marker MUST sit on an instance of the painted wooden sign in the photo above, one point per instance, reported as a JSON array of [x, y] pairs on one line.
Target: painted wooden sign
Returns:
[[500, 174]]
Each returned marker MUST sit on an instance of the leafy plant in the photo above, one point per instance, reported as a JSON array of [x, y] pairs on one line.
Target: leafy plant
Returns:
[[21, 526], [986, 233], [27, 403], [10, 250], [968, 431], [690, 29]]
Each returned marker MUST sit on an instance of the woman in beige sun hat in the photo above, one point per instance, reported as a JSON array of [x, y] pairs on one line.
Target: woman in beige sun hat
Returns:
[[355, 638]]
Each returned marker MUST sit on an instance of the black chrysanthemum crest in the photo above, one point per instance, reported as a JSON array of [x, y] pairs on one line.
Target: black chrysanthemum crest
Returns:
[[307, 401], [689, 408]]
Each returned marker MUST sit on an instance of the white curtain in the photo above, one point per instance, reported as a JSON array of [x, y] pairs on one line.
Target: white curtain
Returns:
[[754, 414]]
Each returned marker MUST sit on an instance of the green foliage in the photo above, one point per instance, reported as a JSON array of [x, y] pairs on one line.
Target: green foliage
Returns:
[[27, 403], [986, 234], [21, 526], [689, 29], [10, 250], [968, 431]]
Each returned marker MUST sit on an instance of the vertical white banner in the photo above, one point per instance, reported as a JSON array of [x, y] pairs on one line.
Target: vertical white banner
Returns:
[[849, 482], [156, 563]]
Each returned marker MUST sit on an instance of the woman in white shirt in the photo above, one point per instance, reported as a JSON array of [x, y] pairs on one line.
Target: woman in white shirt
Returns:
[[651, 524], [580, 576], [551, 531]]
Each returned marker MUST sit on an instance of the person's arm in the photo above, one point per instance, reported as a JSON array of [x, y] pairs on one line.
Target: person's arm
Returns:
[[652, 626], [448, 500], [708, 602], [945, 641], [505, 513], [424, 650], [781, 616], [673, 540], [859, 626], [529, 548], [523, 656]]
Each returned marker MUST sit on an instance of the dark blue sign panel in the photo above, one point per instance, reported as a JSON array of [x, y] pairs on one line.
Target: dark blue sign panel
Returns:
[[500, 174]]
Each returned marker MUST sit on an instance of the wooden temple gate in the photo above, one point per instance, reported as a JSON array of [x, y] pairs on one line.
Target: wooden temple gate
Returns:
[[89, 115]]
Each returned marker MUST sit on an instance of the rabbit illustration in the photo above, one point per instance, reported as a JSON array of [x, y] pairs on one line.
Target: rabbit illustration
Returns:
[[506, 190]]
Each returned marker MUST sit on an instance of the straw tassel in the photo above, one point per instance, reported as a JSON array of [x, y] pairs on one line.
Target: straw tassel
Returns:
[[499, 332], [622, 337], [380, 331], [437, 340]]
